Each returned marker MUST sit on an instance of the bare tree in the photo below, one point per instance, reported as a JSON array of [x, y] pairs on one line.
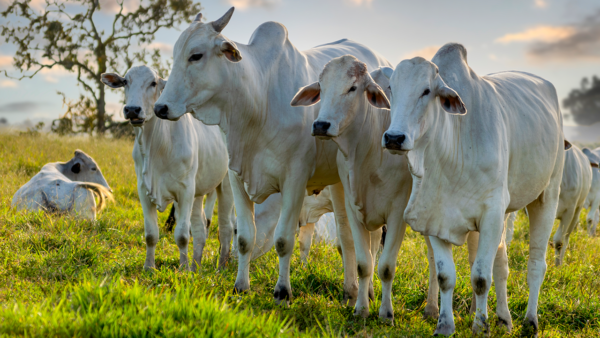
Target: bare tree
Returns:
[[68, 34]]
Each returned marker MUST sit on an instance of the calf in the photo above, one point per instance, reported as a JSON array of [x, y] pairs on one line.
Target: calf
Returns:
[[178, 162], [574, 189], [66, 188]]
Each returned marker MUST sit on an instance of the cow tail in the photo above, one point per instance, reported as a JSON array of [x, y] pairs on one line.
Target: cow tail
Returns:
[[104, 195]]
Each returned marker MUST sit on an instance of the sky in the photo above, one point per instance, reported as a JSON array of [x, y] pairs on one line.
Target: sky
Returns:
[[558, 40]]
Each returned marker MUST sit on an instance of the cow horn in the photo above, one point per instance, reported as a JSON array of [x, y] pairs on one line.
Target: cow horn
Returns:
[[198, 17], [220, 24]]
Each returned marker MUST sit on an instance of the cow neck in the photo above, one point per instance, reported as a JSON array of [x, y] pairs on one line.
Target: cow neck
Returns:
[[362, 140], [154, 142]]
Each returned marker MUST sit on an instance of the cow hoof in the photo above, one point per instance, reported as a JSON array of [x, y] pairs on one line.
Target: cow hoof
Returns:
[[530, 328], [387, 317], [431, 311], [361, 311], [238, 289], [150, 268], [481, 327], [282, 295], [444, 330], [350, 298], [507, 324]]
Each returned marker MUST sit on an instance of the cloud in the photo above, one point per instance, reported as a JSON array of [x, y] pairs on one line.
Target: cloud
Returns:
[[539, 33], [244, 4], [5, 61], [361, 2], [19, 107], [582, 44], [165, 48], [426, 53], [8, 84], [540, 3]]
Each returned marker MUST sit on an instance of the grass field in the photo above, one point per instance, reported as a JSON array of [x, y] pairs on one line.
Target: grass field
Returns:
[[61, 277]]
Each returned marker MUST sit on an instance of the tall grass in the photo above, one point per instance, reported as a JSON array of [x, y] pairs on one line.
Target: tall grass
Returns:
[[62, 277]]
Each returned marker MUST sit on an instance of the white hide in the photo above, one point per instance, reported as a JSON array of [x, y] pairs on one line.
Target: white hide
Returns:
[[246, 90], [66, 188], [574, 189], [477, 147], [592, 202], [177, 162]]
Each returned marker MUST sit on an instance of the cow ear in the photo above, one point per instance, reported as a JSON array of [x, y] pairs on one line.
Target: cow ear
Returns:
[[376, 96], [594, 164], [161, 84], [449, 99], [113, 80], [76, 168], [568, 145], [307, 96], [387, 71], [229, 49]]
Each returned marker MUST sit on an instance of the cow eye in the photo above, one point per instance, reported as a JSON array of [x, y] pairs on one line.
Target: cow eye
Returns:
[[93, 169], [195, 57], [353, 88], [153, 84], [426, 92]]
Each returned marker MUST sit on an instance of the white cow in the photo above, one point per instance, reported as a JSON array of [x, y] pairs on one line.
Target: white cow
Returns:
[[66, 188], [246, 90], [574, 189], [177, 162], [469, 170], [592, 202]]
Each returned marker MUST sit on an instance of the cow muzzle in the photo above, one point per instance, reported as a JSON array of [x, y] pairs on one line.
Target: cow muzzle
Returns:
[[161, 111], [393, 142], [132, 114], [320, 129]]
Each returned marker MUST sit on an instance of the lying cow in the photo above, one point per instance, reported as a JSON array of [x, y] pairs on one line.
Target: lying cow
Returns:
[[66, 188], [178, 162], [470, 170], [574, 189], [592, 202], [245, 89]]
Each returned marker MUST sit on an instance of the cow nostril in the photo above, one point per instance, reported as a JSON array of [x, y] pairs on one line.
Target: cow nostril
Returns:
[[161, 111], [320, 128], [394, 141]]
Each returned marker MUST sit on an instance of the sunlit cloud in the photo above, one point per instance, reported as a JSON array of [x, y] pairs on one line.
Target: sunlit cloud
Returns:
[[165, 48], [426, 53], [540, 3], [5, 61], [539, 33], [8, 84], [360, 2], [244, 4]]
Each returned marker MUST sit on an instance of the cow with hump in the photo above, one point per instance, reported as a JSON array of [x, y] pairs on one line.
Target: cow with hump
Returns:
[[470, 169], [246, 90], [66, 188], [178, 162]]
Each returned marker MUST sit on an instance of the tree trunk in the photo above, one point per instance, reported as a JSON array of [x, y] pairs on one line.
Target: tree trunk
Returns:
[[101, 111]]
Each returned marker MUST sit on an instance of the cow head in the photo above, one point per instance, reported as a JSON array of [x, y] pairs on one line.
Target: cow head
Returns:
[[142, 88], [417, 90], [200, 69], [83, 168], [343, 87]]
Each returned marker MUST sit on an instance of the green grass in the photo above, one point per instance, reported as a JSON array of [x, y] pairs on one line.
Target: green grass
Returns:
[[61, 277]]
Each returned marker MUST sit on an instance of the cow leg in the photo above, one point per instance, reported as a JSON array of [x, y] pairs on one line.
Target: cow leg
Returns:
[[305, 241], [209, 205], [472, 245], [446, 275], [364, 261], [510, 228], [346, 244], [500, 271], [199, 231], [594, 223], [375, 244], [183, 215], [431, 309], [572, 227], [292, 196], [225, 209], [150, 228], [541, 217], [386, 270], [491, 230], [561, 234], [246, 232]]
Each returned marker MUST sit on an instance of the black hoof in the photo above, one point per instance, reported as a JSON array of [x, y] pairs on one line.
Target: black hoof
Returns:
[[281, 295]]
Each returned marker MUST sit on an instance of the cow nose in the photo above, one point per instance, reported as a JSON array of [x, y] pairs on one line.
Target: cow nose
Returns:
[[162, 111], [320, 128], [131, 112], [393, 141]]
